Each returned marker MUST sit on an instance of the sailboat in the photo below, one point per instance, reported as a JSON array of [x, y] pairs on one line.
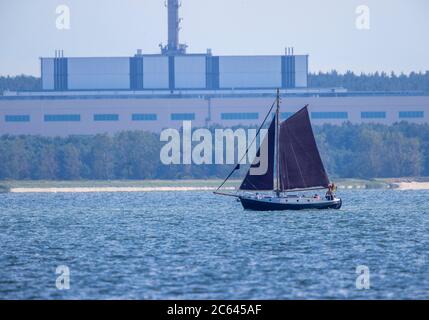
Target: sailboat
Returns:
[[294, 167]]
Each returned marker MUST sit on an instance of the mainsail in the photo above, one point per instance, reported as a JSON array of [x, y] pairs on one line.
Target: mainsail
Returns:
[[300, 163], [265, 181]]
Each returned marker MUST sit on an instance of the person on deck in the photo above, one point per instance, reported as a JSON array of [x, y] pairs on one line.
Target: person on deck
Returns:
[[330, 193]]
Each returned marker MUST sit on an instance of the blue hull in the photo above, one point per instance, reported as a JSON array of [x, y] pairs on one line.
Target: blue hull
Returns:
[[258, 205]]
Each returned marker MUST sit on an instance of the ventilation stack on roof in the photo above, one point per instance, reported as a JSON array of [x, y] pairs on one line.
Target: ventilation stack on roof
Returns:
[[173, 46]]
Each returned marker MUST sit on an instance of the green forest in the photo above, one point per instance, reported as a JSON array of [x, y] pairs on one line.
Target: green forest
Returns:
[[348, 151], [371, 82], [20, 83]]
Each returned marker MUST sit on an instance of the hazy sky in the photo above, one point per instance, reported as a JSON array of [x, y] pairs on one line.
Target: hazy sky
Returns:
[[397, 39]]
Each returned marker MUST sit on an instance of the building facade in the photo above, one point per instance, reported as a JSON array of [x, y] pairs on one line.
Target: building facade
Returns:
[[174, 72], [86, 114]]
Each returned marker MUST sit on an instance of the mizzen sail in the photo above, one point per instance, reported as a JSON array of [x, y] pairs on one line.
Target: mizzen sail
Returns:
[[264, 181], [300, 163]]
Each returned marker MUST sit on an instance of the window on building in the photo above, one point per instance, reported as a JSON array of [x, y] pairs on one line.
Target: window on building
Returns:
[[106, 117], [144, 117], [411, 114], [17, 118], [62, 117], [183, 116], [373, 115], [240, 116], [329, 115], [285, 115]]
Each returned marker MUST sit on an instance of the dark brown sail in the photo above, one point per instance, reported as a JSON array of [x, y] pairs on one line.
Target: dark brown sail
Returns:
[[300, 163], [265, 181]]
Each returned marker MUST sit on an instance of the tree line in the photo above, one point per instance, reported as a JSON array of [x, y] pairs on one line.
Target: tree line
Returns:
[[348, 151], [20, 83], [378, 81]]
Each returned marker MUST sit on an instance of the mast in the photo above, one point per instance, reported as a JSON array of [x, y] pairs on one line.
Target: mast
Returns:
[[277, 144]]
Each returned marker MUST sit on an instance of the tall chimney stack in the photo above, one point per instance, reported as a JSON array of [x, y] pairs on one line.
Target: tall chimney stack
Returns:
[[173, 24], [173, 46]]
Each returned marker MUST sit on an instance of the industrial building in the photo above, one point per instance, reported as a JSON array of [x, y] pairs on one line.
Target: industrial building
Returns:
[[155, 91], [174, 72], [91, 114]]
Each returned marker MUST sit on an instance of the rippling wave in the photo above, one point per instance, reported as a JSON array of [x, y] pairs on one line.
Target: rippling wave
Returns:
[[194, 245]]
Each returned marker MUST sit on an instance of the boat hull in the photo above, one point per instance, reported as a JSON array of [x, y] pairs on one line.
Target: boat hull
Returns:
[[267, 205]]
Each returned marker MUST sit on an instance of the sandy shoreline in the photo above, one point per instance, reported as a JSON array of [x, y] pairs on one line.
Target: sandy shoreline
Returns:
[[112, 189], [412, 185], [396, 185]]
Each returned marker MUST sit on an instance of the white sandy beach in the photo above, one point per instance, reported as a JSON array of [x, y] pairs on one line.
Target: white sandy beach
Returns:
[[412, 185], [409, 185], [112, 189]]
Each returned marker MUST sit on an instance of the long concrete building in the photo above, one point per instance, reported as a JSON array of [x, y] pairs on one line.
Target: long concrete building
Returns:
[[59, 115], [174, 72], [155, 91]]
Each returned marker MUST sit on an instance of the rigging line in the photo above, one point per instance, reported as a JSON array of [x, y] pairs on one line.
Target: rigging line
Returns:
[[252, 184], [248, 147], [230, 174]]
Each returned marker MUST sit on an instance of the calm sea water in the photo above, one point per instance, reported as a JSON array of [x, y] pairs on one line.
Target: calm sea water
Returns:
[[194, 245]]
